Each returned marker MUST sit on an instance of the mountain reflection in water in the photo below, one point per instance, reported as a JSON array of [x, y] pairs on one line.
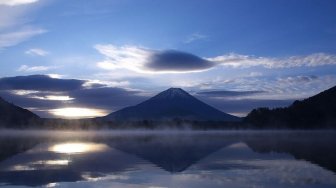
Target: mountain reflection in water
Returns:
[[176, 159]]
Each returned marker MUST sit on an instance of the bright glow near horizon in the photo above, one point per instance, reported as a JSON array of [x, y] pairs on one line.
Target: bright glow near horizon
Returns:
[[73, 112], [75, 148]]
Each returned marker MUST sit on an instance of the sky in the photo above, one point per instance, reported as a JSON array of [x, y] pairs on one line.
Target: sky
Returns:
[[74, 59]]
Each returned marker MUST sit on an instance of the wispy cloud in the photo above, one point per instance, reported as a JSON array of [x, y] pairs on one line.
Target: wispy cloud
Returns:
[[194, 37], [283, 88], [99, 83], [53, 97], [245, 61], [297, 79], [14, 38], [36, 52], [26, 68], [226, 93], [15, 22], [144, 60], [17, 2], [129, 57]]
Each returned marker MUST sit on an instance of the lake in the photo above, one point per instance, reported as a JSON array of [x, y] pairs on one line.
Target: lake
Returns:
[[168, 159]]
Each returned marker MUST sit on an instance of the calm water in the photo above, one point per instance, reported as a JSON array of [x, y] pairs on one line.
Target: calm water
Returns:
[[170, 159]]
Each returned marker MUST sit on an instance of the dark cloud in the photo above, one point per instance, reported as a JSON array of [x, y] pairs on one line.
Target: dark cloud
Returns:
[[38, 106], [229, 93], [27, 102], [39, 83], [96, 96], [172, 60]]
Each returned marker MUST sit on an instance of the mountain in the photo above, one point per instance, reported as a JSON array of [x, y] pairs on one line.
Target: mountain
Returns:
[[12, 116], [173, 103], [318, 111]]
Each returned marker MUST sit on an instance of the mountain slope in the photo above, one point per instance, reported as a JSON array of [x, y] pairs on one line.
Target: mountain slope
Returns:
[[318, 111], [13, 116], [170, 104]]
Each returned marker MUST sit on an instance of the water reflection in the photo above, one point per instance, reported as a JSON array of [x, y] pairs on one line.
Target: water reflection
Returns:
[[232, 159], [37, 165]]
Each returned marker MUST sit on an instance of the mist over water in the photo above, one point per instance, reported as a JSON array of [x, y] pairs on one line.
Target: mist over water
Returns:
[[167, 158]]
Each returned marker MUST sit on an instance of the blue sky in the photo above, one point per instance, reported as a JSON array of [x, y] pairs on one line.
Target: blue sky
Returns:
[[269, 53]]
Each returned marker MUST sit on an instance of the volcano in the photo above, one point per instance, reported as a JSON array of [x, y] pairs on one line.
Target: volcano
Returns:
[[174, 103]]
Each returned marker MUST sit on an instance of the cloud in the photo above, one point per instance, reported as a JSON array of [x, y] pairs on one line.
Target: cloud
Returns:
[[98, 83], [26, 101], [144, 60], [41, 94], [15, 22], [245, 61], [54, 97], [297, 79], [25, 68], [292, 87], [177, 61], [16, 37], [39, 83], [36, 52], [16, 2], [229, 93], [12, 16], [129, 57], [194, 37]]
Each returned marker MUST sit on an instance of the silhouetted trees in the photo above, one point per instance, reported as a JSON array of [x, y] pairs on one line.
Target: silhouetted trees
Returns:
[[315, 112]]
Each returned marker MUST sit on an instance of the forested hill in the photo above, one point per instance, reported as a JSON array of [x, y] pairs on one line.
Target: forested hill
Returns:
[[12, 116], [315, 112]]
